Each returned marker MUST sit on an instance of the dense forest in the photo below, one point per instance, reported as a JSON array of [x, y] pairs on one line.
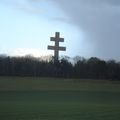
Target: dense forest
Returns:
[[92, 68]]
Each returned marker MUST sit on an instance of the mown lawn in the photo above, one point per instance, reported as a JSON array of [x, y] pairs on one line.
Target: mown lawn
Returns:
[[27, 98]]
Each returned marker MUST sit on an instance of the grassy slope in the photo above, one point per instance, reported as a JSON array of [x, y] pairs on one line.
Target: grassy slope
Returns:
[[58, 99]]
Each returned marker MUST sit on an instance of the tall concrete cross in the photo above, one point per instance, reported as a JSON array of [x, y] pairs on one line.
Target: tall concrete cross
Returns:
[[56, 47]]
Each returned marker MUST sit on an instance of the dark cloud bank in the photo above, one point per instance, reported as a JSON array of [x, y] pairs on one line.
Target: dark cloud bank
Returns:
[[100, 20]]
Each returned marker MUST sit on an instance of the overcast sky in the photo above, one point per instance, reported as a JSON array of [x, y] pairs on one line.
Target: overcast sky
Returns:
[[90, 27], [100, 21]]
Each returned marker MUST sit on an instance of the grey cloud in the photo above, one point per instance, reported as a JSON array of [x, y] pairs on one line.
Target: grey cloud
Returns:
[[31, 6], [99, 19], [113, 2]]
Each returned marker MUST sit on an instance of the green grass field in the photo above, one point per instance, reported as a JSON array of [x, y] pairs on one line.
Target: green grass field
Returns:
[[25, 98]]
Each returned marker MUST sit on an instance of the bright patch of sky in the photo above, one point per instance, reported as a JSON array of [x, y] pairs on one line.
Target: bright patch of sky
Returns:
[[27, 25]]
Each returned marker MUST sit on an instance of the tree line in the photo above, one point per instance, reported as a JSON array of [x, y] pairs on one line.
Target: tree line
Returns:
[[92, 68]]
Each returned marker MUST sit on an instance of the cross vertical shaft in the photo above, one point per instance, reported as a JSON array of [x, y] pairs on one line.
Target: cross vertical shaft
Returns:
[[56, 52], [56, 47]]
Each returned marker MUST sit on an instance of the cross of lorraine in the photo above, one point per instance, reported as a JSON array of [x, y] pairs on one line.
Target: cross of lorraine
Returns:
[[56, 47]]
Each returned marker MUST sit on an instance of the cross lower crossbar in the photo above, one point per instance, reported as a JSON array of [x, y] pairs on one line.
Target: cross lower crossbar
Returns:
[[57, 48]]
